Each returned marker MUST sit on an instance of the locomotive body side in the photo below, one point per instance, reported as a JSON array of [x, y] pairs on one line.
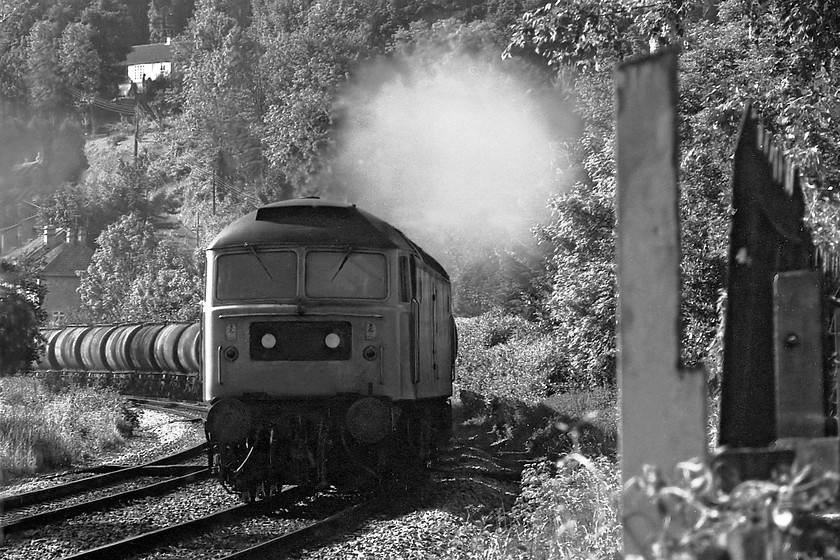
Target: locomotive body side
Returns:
[[326, 332]]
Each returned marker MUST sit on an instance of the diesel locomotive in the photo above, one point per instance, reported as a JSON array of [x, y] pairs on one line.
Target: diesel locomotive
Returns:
[[328, 348]]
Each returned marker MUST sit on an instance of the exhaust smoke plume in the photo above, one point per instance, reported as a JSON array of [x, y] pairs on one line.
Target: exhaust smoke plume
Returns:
[[459, 152]]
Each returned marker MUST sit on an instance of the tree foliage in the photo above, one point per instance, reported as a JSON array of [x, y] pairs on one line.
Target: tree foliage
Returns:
[[733, 54], [105, 194], [21, 295], [134, 276]]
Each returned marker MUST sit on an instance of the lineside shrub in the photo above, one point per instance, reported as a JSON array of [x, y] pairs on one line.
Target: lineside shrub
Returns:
[[504, 356], [570, 514]]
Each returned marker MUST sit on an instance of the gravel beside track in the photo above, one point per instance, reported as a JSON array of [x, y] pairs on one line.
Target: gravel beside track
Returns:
[[261, 527], [10, 516], [95, 529], [440, 518]]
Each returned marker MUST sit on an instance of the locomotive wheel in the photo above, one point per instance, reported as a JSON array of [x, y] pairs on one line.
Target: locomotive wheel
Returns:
[[248, 495]]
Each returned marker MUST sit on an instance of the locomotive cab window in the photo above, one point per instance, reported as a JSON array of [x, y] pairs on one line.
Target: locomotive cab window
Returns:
[[257, 275], [346, 274]]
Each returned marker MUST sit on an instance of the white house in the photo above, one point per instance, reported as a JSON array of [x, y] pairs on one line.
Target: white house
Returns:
[[149, 61]]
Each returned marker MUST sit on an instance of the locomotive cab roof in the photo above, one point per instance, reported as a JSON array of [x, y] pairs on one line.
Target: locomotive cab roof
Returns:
[[312, 221]]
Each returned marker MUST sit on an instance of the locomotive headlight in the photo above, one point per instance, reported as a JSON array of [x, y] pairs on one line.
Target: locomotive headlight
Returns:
[[332, 340], [268, 340]]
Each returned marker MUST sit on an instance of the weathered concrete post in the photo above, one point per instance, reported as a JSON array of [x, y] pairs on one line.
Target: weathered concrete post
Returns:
[[663, 406]]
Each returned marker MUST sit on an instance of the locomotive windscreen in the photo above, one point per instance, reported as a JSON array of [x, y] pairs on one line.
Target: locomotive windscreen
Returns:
[[257, 275], [347, 274]]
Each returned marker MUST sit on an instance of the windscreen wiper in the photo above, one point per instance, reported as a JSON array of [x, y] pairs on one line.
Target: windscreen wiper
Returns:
[[343, 262], [259, 260]]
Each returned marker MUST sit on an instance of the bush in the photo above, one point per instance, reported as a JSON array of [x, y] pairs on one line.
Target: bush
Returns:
[[570, 514], [505, 356], [41, 429]]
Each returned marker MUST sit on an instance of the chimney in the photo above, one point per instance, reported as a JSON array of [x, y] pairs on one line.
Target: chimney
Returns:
[[168, 41], [49, 234]]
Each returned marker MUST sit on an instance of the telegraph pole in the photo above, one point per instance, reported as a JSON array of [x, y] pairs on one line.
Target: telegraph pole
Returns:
[[136, 126]]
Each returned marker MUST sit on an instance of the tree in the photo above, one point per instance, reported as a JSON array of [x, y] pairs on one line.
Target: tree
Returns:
[[105, 193], [168, 18], [582, 40], [110, 21], [81, 65], [124, 249], [303, 68], [21, 296], [47, 93], [133, 276], [169, 290]]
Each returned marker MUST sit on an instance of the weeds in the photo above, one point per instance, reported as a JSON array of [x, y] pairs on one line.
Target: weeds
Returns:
[[692, 517], [571, 513], [41, 429]]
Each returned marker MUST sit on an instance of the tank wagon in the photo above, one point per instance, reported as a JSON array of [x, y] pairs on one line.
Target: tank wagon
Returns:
[[328, 347], [133, 349]]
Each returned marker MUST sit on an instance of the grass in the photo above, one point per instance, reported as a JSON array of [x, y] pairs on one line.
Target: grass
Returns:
[[42, 429]]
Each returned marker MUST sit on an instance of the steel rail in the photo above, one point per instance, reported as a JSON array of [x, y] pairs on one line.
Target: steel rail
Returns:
[[103, 502], [16, 501], [342, 521], [169, 406], [180, 531]]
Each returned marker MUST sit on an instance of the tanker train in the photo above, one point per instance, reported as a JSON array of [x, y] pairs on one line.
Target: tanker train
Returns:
[[170, 348], [328, 347], [143, 359]]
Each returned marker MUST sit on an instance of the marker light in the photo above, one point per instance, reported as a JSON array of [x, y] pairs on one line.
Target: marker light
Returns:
[[268, 340], [332, 340]]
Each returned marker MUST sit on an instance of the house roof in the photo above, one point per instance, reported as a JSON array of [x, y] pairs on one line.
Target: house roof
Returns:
[[34, 249], [149, 54], [66, 259], [62, 260]]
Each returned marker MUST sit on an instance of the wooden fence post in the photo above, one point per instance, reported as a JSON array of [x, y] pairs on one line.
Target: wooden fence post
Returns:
[[663, 406]]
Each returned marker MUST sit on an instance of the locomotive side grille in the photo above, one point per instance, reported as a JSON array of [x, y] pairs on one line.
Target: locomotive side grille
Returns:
[[298, 341]]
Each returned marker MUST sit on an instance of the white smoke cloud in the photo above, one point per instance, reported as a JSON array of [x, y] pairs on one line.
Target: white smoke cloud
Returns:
[[461, 150]]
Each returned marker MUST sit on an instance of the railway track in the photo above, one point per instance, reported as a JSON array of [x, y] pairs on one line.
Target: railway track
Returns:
[[78, 514], [287, 514], [107, 485], [171, 467]]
